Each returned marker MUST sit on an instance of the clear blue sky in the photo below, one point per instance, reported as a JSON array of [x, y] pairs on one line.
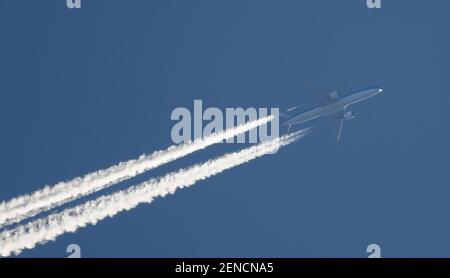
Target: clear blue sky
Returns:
[[81, 90]]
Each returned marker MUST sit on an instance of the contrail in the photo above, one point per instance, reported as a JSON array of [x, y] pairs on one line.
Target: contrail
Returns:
[[28, 235], [49, 197]]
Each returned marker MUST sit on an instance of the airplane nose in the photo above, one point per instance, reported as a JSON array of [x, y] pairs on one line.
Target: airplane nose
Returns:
[[380, 90]]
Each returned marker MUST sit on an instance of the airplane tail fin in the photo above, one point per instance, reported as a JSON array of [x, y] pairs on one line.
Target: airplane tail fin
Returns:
[[288, 113]]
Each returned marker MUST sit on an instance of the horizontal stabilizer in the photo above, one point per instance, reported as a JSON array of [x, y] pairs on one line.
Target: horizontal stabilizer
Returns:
[[294, 108]]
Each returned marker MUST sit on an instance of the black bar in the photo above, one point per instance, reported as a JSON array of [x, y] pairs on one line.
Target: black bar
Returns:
[[224, 266]]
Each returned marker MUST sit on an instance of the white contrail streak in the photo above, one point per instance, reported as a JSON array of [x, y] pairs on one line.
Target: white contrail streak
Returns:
[[49, 197], [28, 235]]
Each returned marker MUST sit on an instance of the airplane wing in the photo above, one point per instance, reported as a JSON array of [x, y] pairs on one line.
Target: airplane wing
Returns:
[[330, 98], [339, 124]]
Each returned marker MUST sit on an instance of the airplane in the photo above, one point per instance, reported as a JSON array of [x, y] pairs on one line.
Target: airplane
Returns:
[[332, 105]]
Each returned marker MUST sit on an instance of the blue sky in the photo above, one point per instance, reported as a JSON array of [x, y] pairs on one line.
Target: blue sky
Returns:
[[83, 89]]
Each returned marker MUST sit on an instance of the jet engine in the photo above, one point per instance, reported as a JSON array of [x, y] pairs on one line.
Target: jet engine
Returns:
[[348, 115]]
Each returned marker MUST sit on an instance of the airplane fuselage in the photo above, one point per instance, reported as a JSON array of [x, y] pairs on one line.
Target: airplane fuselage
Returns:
[[331, 108]]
